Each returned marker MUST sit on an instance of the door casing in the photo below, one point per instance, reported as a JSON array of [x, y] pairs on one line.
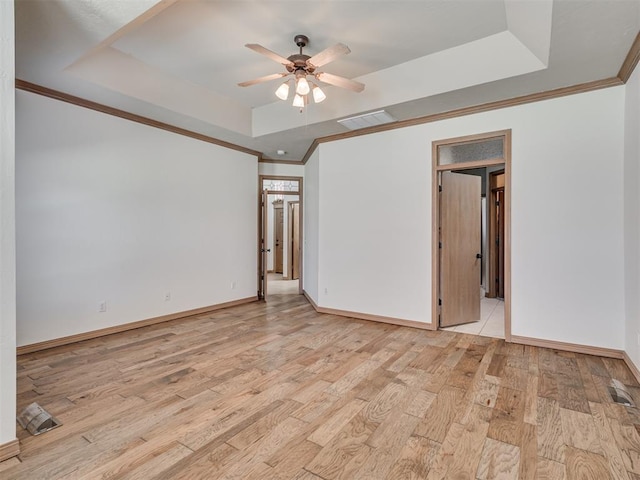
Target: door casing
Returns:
[[435, 215], [293, 240]]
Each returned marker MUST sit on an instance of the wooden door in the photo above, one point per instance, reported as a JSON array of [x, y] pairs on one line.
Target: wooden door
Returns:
[[460, 217], [262, 270], [278, 221], [295, 241]]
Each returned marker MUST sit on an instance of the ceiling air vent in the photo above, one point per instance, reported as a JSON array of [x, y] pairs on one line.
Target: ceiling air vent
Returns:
[[367, 120]]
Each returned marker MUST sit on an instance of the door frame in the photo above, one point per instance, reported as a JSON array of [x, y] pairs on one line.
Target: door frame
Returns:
[[275, 236], [435, 215], [290, 240], [493, 233], [300, 233]]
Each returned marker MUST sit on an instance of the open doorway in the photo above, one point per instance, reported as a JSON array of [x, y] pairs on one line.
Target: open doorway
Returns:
[[470, 234], [280, 236]]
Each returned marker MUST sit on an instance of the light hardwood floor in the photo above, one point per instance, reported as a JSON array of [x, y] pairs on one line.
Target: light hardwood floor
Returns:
[[278, 391]]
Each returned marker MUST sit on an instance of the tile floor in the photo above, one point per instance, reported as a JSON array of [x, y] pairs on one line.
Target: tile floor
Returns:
[[491, 323], [277, 286]]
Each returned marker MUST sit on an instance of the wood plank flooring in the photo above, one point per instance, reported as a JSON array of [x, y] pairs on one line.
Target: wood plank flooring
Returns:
[[278, 391]]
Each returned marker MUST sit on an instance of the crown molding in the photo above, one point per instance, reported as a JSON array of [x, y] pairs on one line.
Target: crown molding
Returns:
[[281, 162], [312, 148], [98, 107], [626, 70], [461, 112], [630, 61]]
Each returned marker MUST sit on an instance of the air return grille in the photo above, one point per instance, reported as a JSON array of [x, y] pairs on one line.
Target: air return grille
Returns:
[[365, 120]]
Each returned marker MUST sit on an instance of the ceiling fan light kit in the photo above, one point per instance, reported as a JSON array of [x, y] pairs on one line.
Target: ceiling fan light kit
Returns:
[[302, 86], [300, 66], [298, 101], [283, 91], [318, 94]]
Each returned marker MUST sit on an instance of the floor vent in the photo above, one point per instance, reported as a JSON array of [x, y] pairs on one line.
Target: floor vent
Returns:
[[620, 394], [37, 420]]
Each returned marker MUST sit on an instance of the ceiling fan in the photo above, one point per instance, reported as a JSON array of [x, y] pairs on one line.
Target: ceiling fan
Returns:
[[300, 66]]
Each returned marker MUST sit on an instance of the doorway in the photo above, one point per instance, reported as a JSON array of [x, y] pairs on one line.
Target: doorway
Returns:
[[279, 235], [294, 241], [471, 211], [496, 206]]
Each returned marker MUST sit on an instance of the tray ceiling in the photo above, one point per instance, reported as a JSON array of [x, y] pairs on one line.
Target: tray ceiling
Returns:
[[179, 61]]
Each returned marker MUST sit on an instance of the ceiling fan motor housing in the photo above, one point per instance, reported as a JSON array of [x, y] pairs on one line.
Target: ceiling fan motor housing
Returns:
[[299, 62]]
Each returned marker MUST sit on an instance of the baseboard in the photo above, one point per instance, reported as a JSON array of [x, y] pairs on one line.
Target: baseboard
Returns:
[[367, 316], [313, 304], [9, 449], [632, 366], [58, 342], [569, 347]]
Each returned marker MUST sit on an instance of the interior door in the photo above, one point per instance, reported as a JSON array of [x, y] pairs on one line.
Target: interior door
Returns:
[[295, 260], [460, 259], [262, 270], [278, 220]]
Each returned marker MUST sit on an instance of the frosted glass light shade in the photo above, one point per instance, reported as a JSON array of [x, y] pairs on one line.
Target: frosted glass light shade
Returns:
[[298, 101], [302, 87], [318, 94], [283, 91]]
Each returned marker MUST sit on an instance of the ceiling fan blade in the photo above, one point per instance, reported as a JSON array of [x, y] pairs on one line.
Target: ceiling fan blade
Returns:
[[328, 55], [268, 53], [266, 78], [340, 81]]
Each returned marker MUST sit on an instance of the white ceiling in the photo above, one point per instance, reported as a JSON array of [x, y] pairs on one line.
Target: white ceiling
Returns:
[[179, 61]]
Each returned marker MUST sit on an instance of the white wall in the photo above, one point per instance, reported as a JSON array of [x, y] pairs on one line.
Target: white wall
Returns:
[[632, 216], [374, 202], [7, 228], [567, 239], [311, 222], [111, 210], [283, 170]]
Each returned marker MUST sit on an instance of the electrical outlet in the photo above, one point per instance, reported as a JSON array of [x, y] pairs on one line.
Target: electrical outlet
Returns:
[[233, 285], [326, 291], [638, 340], [167, 296], [102, 306]]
